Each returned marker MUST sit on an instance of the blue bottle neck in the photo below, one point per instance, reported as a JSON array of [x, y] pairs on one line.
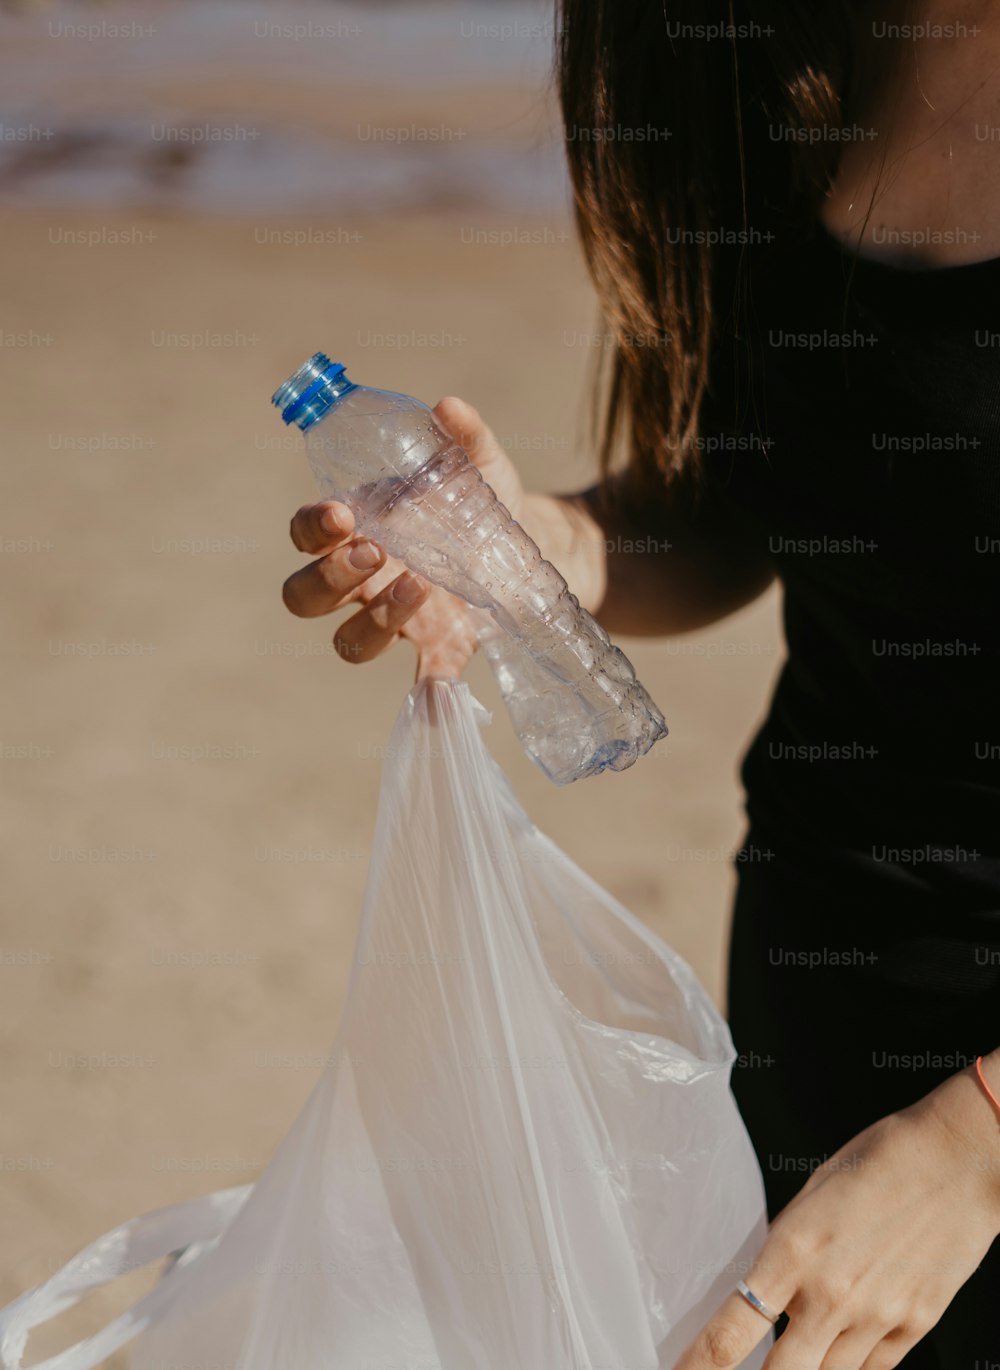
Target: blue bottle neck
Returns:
[[312, 391]]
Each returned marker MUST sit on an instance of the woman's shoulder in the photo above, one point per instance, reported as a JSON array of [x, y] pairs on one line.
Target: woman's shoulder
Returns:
[[918, 182]]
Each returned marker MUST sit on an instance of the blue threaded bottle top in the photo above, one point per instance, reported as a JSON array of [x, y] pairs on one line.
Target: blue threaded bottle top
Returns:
[[307, 394]]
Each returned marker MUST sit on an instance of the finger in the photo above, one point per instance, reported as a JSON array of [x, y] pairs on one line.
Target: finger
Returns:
[[325, 584], [320, 527], [466, 426], [821, 1333], [887, 1353], [447, 652], [738, 1327], [806, 1344], [851, 1348], [728, 1338], [367, 633]]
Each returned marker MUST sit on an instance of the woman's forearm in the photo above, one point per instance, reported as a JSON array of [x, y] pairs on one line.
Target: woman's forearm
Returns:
[[648, 568]]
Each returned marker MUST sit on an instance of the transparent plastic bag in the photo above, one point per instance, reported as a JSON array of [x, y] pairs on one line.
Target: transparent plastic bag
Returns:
[[524, 1155]]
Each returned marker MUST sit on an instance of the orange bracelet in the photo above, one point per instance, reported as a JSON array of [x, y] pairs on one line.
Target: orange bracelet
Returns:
[[982, 1081]]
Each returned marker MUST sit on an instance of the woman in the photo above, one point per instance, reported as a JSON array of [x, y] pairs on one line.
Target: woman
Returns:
[[800, 261]]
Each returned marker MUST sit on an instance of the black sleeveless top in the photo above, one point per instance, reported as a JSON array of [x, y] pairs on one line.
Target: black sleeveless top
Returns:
[[856, 426], [856, 429]]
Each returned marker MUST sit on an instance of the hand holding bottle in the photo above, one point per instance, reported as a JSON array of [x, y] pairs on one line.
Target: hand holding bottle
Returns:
[[572, 695], [393, 602]]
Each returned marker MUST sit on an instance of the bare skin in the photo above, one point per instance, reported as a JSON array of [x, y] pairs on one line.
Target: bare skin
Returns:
[[871, 1251], [711, 570], [932, 168], [869, 1254], [391, 602]]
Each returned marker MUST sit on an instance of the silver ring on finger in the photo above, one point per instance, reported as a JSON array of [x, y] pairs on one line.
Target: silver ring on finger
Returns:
[[758, 1304]]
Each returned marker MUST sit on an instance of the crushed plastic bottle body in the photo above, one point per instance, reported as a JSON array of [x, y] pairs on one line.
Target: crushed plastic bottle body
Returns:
[[572, 696]]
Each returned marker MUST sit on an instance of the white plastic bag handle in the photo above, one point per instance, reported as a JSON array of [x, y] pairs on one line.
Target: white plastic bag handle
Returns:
[[187, 1227]]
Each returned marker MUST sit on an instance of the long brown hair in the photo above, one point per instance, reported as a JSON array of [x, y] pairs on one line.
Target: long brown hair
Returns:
[[671, 147]]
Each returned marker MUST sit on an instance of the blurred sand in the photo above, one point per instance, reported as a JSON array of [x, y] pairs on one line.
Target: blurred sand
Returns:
[[281, 106], [101, 547], [164, 1016]]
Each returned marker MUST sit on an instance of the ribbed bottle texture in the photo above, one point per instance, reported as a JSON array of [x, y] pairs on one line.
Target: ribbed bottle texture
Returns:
[[573, 697]]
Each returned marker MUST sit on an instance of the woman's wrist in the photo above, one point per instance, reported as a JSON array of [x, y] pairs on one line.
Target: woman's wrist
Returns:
[[568, 535], [963, 1109]]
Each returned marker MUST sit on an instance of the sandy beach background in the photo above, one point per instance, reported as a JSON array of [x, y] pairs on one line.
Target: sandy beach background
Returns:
[[190, 775]]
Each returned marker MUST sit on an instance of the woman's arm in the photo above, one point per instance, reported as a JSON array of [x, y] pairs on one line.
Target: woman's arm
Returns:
[[649, 566], [643, 564]]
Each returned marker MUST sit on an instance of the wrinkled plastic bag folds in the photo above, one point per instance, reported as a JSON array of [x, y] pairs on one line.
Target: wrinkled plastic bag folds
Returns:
[[524, 1155]]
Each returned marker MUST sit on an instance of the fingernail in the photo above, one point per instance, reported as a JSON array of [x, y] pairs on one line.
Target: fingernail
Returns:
[[364, 556], [329, 521], [408, 589]]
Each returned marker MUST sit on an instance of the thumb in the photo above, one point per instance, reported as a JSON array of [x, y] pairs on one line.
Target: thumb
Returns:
[[466, 426]]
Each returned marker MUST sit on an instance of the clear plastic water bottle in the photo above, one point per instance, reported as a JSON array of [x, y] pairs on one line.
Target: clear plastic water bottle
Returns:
[[572, 696]]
